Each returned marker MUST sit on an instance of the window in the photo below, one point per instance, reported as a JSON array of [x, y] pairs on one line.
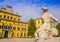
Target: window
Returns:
[[10, 27], [0, 16], [10, 17], [6, 27], [0, 26], [14, 19], [18, 28], [38, 21], [3, 26], [4, 16], [25, 29], [14, 28], [22, 28], [18, 19]]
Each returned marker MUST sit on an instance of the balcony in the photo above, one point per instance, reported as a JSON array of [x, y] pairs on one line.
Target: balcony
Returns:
[[6, 27]]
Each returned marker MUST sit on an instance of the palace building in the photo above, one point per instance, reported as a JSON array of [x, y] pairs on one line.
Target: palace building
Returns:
[[10, 24]]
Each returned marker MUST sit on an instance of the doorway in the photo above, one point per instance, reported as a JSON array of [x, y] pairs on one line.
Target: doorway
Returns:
[[6, 34]]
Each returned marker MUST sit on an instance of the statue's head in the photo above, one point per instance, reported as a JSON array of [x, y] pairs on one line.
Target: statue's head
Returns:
[[44, 9]]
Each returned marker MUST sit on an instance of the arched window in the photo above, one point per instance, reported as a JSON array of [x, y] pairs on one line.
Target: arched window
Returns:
[[10, 27], [38, 21], [0, 16], [14, 28], [22, 28], [3, 26], [18, 28], [14, 19], [25, 29], [6, 27], [0, 26], [11, 17], [4, 16], [8, 17], [18, 19]]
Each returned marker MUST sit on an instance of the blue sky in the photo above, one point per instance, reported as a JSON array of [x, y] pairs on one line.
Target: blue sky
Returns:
[[32, 8]]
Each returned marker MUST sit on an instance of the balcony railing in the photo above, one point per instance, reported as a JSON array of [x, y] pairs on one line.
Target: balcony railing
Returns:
[[6, 27]]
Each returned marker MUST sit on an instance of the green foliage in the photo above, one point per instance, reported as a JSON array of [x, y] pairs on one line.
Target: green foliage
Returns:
[[31, 27], [58, 27]]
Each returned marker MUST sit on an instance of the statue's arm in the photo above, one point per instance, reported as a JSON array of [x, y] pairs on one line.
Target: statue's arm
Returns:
[[55, 19]]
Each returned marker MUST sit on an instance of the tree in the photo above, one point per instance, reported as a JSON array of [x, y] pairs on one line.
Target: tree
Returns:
[[58, 27], [31, 27]]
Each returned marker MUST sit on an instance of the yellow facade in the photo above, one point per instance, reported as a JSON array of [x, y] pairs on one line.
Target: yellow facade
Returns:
[[10, 24], [39, 22]]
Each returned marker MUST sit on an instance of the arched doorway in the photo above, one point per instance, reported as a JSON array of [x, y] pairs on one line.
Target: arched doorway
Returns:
[[6, 34]]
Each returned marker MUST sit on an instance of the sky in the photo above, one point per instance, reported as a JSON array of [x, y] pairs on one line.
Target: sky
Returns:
[[33, 8]]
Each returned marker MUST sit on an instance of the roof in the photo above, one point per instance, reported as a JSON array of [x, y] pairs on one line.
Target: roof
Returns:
[[9, 12], [37, 18]]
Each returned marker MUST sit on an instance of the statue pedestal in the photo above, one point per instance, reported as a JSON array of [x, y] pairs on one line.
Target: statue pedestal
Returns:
[[49, 40]]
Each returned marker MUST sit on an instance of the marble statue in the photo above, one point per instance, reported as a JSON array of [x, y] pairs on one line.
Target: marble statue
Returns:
[[45, 31]]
